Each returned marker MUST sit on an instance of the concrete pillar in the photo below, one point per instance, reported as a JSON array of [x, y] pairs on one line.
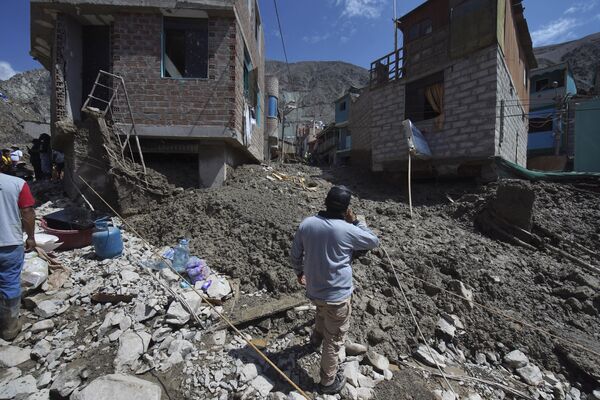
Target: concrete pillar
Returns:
[[212, 165]]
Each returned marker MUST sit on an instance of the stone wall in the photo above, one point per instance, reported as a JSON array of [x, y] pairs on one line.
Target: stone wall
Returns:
[[512, 120]]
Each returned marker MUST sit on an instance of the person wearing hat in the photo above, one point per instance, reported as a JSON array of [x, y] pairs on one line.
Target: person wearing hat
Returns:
[[15, 155], [321, 256]]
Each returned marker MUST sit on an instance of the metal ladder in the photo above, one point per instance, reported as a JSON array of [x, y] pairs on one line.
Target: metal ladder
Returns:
[[113, 85]]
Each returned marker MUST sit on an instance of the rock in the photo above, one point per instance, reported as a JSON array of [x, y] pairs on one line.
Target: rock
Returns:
[[378, 361], [262, 385], [480, 358], [119, 387], [444, 395], [355, 349], [67, 381], [182, 347], [143, 312], [423, 354], [531, 374], [248, 372], [11, 356], [459, 288], [596, 394], [516, 359], [473, 396], [43, 394], [48, 308], [575, 393], [41, 349], [351, 372], [388, 375], [219, 338], [128, 276], [454, 320], [177, 315], [295, 396], [44, 380], [18, 387], [160, 334], [8, 375], [364, 393], [376, 336], [445, 329], [219, 288], [131, 346], [365, 381], [349, 392], [44, 325]]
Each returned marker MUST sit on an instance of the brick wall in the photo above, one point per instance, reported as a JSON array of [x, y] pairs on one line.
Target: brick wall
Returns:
[[136, 49], [360, 122], [512, 122], [429, 53]]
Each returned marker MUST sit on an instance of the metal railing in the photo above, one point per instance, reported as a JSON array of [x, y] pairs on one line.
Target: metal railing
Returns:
[[387, 68], [108, 99]]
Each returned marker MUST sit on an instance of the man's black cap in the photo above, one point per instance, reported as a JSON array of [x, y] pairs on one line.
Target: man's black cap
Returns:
[[338, 198]]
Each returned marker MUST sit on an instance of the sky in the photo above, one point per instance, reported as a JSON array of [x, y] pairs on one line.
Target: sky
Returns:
[[355, 31]]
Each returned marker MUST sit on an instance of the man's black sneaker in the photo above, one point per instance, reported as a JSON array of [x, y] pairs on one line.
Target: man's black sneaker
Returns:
[[316, 339], [336, 386]]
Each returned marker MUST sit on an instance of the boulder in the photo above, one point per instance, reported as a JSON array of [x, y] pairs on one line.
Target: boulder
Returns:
[[11, 356], [119, 387], [531, 374], [131, 346], [18, 387], [378, 361], [516, 359]]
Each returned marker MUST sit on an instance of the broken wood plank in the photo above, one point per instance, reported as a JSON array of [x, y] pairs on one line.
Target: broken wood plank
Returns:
[[263, 310]]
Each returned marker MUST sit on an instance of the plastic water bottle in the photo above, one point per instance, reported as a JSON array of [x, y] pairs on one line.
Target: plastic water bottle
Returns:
[[181, 255]]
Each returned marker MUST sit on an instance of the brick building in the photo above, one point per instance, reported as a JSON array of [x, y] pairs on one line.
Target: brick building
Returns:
[[193, 70], [462, 77]]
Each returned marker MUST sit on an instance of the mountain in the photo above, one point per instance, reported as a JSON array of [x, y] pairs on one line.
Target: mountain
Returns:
[[583, 55], [28, 95], [314, 85]]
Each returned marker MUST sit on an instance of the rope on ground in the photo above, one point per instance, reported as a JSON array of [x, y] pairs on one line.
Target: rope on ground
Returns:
[[204, 299], [412, 314], [499, 313]]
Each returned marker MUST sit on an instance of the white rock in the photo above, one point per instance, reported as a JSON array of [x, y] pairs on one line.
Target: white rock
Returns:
[[531, 374], [44, 380], [262, 385], [182, 347], [128, 276], [388, 375], [424, 355], [48, 308], [473, 396], [355, 349], [365, 381], [131, 346], [248, 372], [460, 288], [41, 349], [18, 387], [516, 359], [43, 394], [378, 361], [444, 395], [219, 288], [119, 387], [454, 320], [445, 328], [177, 314], [295, 396], [219, 337], [351, 372], [9, 374], [44, 325], [67, 381], [11, 356], [349, 392], [596, 394], [364, 393]]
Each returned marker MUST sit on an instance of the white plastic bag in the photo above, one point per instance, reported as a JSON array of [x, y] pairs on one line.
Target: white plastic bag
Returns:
[[35, 271]]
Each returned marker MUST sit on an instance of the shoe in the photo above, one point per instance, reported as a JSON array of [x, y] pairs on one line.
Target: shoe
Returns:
[[316, 339], [336, 386], [10, 325]]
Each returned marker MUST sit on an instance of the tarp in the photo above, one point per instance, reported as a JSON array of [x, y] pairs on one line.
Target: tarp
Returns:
[[514, 170]]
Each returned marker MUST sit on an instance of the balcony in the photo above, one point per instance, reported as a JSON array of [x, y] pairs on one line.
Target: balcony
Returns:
[[387, 68]]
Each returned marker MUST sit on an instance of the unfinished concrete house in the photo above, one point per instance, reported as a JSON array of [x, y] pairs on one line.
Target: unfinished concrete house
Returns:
[[462, 77], [184, 78]]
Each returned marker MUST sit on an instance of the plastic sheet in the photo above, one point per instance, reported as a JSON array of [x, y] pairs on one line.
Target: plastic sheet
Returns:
[[35, 271]]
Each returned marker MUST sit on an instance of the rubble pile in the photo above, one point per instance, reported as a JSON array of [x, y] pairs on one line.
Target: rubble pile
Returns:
[[120, 326]]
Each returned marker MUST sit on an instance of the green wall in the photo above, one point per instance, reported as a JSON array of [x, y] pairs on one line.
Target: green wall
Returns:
[[587, 136]]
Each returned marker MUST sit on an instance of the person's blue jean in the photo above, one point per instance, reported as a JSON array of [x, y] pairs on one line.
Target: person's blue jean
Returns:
[[11, 264]]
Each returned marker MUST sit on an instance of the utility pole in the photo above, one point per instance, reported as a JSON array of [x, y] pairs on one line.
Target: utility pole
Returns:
[[282, 137], [395, 27]]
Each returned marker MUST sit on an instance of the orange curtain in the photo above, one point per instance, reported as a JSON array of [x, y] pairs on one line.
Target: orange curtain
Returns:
[[435, 97]]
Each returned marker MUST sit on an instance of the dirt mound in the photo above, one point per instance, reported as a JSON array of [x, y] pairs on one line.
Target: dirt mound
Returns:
[[245, 230]]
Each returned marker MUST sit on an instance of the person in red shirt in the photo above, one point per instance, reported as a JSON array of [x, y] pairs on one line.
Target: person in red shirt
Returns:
[[16, 214]]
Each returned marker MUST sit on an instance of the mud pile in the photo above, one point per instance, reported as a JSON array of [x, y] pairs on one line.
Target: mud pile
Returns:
[[245, 229]]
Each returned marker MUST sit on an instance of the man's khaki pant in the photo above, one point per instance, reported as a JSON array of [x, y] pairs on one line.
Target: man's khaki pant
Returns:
[[332, 323]]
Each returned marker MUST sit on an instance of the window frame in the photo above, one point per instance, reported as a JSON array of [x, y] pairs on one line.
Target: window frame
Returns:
[[163, 47]]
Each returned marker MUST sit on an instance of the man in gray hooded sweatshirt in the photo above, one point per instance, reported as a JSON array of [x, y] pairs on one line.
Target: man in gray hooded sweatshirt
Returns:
[[321, 256]]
